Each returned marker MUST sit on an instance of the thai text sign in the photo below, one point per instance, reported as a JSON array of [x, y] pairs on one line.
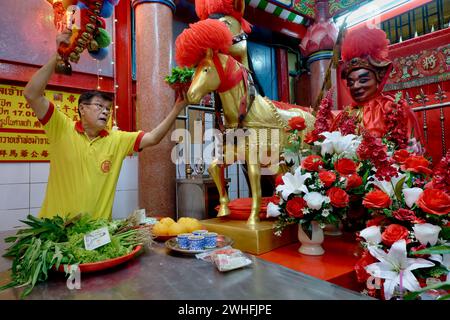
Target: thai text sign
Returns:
[[22, 136]]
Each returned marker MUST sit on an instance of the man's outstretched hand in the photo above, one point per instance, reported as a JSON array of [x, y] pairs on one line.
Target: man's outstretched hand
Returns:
[[181, 101], [63, 37]]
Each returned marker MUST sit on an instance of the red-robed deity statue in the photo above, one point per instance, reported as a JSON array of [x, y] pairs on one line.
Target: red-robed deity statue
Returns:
[[365, 70]]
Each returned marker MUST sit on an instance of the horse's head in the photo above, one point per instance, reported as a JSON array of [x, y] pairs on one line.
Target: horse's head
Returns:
[[200, 45], [206, 79]]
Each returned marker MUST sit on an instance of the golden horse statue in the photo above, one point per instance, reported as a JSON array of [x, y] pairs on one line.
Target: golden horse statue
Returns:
[[206, 44], [231, 13]]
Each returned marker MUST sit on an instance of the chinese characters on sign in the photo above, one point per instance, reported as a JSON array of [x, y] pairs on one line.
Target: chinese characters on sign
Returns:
[[22, 137]]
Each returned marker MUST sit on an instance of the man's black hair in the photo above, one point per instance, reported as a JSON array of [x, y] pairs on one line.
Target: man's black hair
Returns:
[[86, 97]]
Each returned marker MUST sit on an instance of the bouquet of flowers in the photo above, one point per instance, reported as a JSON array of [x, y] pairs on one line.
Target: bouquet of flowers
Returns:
[[320, 189], [406, 242]]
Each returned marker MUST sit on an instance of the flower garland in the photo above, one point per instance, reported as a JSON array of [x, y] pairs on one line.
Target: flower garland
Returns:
[[373, 149], [441, 178], [396, 125]]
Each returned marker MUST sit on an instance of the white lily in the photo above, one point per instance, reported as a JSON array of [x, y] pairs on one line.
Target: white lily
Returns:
[[272, 210], [335, 142], [293, 183], [395, 267], [314, 200], [411, 195], [387, 187], [427, 233], [372, 235]]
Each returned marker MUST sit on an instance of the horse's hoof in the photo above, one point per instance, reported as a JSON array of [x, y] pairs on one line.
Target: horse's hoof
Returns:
[[253, 220], [223, 211]]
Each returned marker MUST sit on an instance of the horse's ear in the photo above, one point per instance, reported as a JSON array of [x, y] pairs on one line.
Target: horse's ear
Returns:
[[209, 53], [239, 6]]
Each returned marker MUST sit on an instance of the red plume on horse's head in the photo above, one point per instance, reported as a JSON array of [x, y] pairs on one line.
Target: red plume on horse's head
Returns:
[[234, 8], [192, 43]]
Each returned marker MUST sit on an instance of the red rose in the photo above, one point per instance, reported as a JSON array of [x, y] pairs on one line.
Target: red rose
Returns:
[[345, 166], [376, 199], [434, 201], [377, 221], [311, 137], [294, 207], [353, 181], [338, 197], [327, 178], [405, 215], [417, 164], [400, 156], [297, 123], [361, 273], [279, 180], [312, 163], [275, 199], [393, 233]]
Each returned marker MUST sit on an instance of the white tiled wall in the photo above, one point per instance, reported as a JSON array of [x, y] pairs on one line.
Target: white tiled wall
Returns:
[[23, 185]]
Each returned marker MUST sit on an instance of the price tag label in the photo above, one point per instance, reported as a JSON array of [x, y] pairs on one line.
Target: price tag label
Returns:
[[96, 238]]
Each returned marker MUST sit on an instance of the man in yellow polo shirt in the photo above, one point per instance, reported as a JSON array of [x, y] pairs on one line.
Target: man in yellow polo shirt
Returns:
[[85, 158]]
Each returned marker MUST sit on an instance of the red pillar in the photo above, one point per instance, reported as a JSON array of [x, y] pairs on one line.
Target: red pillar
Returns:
[[122, 66], [282, 75], [154, 101]]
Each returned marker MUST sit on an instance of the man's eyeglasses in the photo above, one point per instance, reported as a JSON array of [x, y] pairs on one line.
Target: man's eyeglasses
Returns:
[[99, 107]]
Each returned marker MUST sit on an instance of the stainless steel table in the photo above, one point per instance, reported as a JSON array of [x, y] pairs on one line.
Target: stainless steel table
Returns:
[[165, 275]]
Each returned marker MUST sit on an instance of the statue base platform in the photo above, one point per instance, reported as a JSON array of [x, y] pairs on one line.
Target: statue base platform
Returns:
[[257, 239]]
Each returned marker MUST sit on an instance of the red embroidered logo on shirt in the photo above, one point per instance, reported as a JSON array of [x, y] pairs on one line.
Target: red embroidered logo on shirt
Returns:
[[106, 166]]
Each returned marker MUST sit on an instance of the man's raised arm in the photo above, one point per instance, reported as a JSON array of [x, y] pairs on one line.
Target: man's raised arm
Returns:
[[34, 90]]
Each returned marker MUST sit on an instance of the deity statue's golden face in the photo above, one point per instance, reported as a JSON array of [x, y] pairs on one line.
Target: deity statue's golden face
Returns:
[[363, 85]]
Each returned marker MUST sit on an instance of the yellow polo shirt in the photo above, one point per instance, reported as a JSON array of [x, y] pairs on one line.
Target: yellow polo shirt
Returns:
[[83, 173]]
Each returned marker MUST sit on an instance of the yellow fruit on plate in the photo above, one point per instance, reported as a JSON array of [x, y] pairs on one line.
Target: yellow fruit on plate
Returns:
[[175, 229], [184, 220], [193, 225], [167, 221], [160, 229]]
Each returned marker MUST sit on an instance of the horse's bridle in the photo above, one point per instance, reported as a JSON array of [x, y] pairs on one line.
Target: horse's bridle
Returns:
[[239, 37], [229, 79]]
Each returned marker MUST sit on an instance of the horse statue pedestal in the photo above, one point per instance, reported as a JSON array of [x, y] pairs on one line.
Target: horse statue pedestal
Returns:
[[256, 239]]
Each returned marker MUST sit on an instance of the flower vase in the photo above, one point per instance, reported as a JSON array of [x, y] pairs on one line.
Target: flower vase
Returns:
[[311, 245]]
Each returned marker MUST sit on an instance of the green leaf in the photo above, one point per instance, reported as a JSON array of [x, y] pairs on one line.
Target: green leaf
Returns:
[[445, 233], [415, 294], [433, 250], [398, 188]]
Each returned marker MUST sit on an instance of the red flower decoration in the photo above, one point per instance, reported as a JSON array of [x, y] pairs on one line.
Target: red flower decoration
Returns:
[[406, 215], [393, 233], [400, 156], [361, 273], [376, 199], [377, 221], [338, 197], [434, 201], [327, 178], [312, 163], [345, 166], [417, 164], [353, 181], [279, 180], [311, 137], [297, 123], [294, 207]]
